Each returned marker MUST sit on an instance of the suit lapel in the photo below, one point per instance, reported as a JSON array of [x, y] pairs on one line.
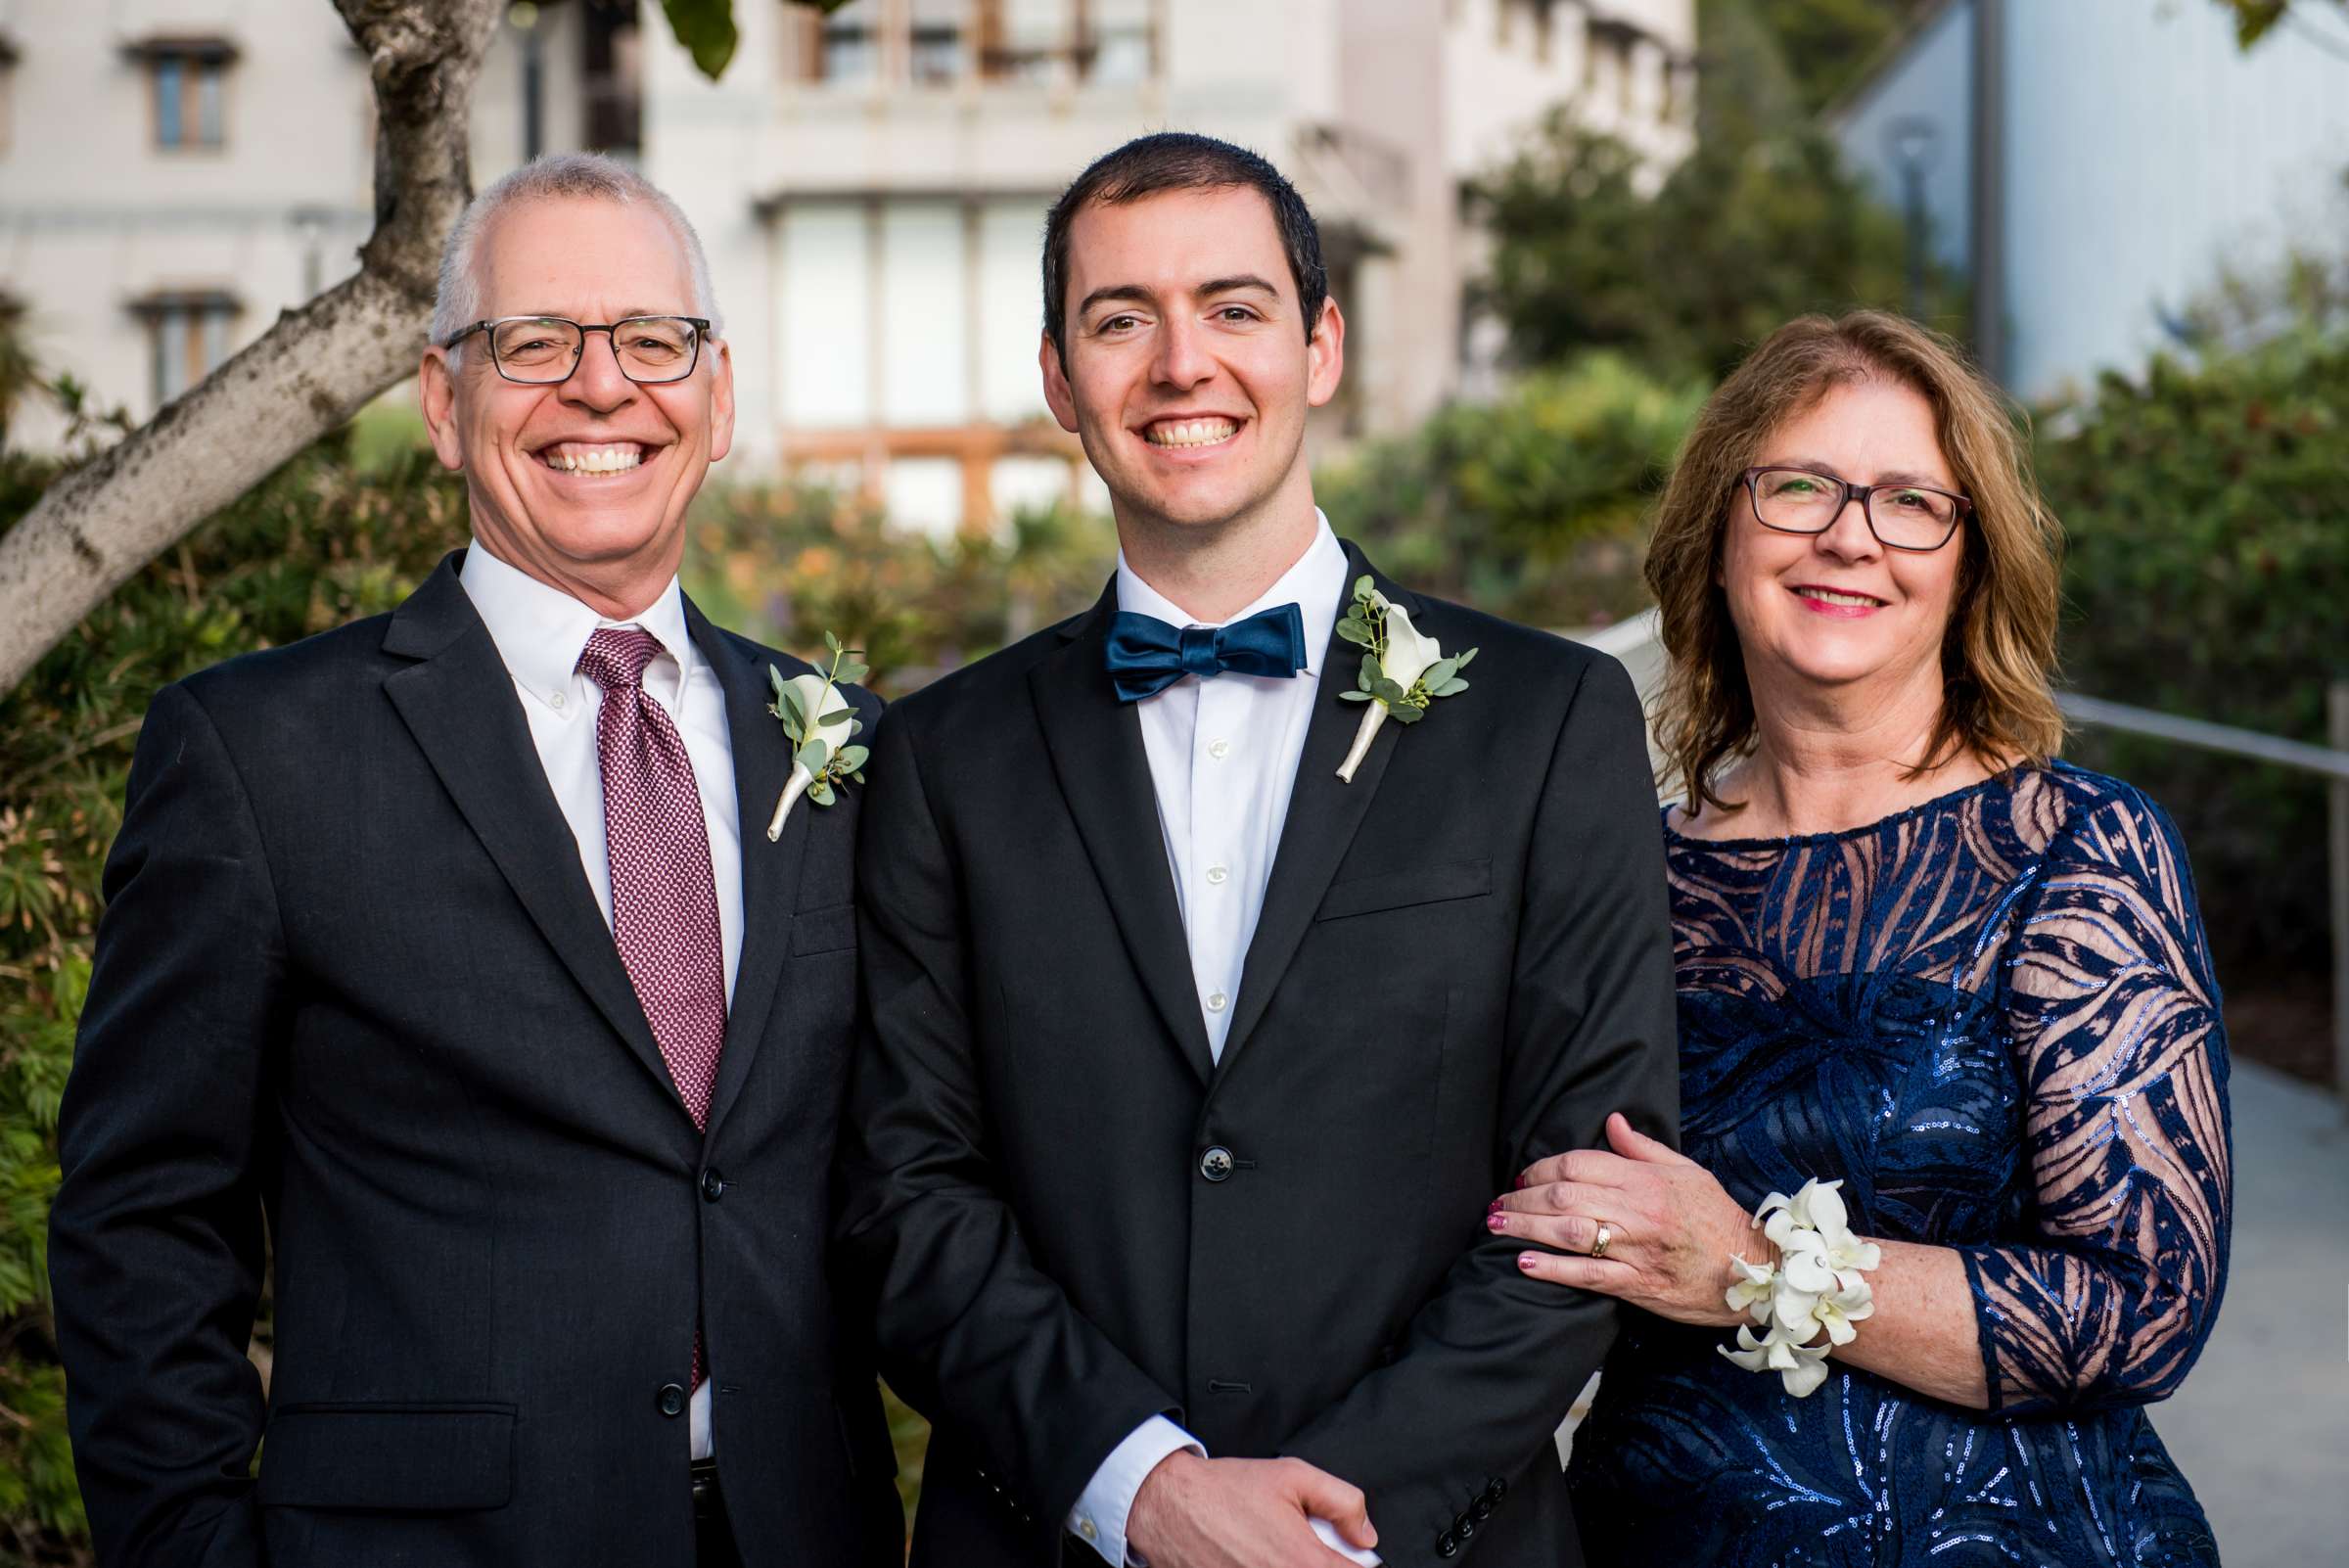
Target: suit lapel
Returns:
[[1095, 744], [459, 703], [1323, 817], [770, 872]]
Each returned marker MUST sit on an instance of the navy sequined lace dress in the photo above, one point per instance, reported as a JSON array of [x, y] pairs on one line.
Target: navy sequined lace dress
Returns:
[[1993, 1017]]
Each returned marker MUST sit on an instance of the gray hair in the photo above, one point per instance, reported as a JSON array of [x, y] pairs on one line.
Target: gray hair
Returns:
[[552, 176]]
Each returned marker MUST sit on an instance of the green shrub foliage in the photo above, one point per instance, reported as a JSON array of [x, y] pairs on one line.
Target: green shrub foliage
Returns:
[[2207, 510]]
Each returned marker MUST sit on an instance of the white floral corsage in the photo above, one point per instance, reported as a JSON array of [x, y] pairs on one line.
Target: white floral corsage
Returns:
[[1817, 1284], [820, 724], [1402, 669]]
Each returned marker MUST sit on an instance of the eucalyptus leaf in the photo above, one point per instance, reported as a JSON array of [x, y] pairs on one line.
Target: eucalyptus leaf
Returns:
[[1437, 674], [838, 716], [820, 792], [852, 673], [1405, 714], [795, 722], [1451, 687], [1461, 661], [1388, 691], [831, 643], [858, 777], [1363, 587], [1372, 675], [852, 758], [1353, 696], [813, 754], [1356, 632], [775, 678]]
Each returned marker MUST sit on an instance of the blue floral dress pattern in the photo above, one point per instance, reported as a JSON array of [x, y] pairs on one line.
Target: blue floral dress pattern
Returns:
[[1993, 1017]]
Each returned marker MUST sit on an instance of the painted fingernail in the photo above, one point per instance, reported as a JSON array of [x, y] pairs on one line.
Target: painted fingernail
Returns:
[[1493, 1207], [1496, 1222], [1525, 1260]]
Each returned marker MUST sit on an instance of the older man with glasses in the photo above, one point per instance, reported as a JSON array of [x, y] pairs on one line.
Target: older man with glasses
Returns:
[[447, 957]]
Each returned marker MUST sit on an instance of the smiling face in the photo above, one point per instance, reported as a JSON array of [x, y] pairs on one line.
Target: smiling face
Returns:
[[584, 485], [1838, 609], [1189, 373]]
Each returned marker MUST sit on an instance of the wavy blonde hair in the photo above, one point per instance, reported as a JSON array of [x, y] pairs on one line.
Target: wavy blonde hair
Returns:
[[1998, 653]]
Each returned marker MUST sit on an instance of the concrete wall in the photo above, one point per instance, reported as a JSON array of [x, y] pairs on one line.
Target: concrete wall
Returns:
[[2144, 154]]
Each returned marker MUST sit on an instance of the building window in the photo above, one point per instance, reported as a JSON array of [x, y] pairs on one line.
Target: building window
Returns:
[[187, 334], [188, 90], [613, 79], [849, 45], [8, 90], [1120, 43], [936, 37]]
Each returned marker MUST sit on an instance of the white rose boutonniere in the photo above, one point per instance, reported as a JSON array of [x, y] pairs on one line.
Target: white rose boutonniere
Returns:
[[820, 724], [1402, 669]]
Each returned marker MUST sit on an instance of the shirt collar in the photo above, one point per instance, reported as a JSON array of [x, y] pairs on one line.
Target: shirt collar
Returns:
[[540, 631], [1313, 584]]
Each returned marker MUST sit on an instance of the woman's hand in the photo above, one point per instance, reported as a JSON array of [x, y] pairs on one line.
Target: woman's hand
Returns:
[[1671, 1227]]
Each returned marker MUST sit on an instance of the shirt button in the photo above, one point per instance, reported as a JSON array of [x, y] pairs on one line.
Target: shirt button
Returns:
[[1084, 1528], [556, 699], [1216, 1001], [1218, 750], [1216, 875]]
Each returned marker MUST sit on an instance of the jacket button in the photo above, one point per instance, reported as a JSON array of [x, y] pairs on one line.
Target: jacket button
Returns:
[[1495, 1489], [670, 1401], [713, 1187], [1216, 1164], [1482, 1511], [1446, 1545]]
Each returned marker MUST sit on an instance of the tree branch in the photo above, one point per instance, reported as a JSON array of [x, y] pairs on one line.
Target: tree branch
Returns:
[[307, 374]]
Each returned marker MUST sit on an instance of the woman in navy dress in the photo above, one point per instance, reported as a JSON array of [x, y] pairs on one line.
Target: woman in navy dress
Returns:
[[1920, 957]]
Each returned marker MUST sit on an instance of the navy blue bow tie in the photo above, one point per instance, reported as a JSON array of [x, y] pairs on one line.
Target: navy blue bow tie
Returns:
[[1146, 654]]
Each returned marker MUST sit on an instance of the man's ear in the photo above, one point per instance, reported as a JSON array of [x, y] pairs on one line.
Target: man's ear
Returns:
[[437, 395], [721, 401], [1326, 355], [1058, 393]]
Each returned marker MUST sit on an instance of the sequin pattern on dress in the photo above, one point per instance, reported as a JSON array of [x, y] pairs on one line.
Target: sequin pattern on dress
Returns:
[[1993, 1017]]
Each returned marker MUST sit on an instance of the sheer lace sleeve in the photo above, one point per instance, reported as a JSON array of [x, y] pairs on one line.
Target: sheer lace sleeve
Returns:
[[2113, 1016]]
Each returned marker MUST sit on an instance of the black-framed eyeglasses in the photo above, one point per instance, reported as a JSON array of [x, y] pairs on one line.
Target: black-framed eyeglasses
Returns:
[[543, 350], [1902, 517]]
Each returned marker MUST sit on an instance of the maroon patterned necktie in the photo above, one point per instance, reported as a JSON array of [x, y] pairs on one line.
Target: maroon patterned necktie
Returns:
[[664, 899]]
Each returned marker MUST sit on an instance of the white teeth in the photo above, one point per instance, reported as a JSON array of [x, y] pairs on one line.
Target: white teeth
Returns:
[[1191, 432], [1827, 596], [576, 459]]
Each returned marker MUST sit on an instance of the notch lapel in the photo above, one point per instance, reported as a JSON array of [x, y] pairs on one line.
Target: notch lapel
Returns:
[[1323, 817], [770, 872], [1095, 744], [459, 703]]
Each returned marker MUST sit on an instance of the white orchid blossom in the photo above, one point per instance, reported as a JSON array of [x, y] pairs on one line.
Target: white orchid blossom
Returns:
[[1750, 1291], [1815, 1286]]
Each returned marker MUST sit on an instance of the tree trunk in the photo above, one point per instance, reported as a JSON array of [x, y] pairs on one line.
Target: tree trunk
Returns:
[[307, 375]]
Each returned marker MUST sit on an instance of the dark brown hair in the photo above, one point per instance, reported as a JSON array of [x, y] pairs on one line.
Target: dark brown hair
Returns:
[[1999, 654], [1178, 160]]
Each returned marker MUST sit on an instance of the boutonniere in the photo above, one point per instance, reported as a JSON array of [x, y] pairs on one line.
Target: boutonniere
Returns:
[[820, 724], [1403, 668]]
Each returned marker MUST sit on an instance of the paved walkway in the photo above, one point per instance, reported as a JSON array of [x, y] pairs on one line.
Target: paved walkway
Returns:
[[2261, 1427]]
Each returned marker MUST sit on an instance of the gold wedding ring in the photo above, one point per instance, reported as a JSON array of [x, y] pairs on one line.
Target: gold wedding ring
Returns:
[[1606, 1233]]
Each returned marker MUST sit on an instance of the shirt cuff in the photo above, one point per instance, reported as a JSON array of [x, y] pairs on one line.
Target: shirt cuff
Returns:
[[1099, 1517], [1337, 1543]]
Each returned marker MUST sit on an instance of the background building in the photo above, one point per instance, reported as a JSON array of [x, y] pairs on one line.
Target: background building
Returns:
[[2096, 167], [872, 185], [175, 173]]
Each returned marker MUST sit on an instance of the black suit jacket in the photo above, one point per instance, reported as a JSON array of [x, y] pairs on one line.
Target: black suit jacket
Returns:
[[352, 983], [1076, 1221]]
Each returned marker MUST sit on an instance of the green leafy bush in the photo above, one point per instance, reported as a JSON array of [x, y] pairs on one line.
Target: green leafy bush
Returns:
[[1532, 507], [2208, 576]]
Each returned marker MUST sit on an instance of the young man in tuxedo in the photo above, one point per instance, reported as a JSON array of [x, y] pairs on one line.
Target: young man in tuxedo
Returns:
[[449, 951], [1194, 1066]]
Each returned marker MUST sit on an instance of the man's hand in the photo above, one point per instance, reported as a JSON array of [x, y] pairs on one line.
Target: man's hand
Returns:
[[1243, 1513]]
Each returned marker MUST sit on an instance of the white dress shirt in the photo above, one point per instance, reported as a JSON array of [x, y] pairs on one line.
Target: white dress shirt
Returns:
[[540, 631], [1224, 757]]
